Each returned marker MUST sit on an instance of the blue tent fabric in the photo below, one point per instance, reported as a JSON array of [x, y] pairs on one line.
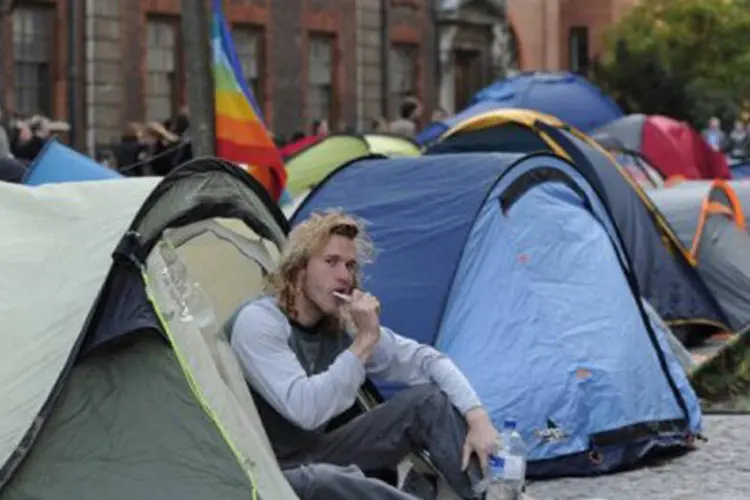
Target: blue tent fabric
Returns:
[[664, 276], [740, 169], [566, 96], [431, 244], [669, 283], [511, 265], [59, 163]]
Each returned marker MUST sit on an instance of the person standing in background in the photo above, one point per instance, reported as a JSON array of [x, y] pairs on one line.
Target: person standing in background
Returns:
[[714, 135], [409, 114]]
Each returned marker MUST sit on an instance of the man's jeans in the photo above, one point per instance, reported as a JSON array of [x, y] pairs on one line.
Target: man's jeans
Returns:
[[332, 482], [419, 418]]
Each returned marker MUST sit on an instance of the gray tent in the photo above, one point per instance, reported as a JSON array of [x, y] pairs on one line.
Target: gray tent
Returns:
[[114, 380], [742, 188], [708, 218]]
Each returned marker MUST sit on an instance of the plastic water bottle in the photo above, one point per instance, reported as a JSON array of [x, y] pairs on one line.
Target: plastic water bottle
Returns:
[[514, 458], [497, 487]]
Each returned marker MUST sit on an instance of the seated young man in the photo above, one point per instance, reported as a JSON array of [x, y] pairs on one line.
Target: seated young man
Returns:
[[306, 350]]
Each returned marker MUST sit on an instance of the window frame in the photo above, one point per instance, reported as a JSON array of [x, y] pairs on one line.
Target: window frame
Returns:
[[175, 77], [579, 43], [331, 39], [44, 90], [258, 88]]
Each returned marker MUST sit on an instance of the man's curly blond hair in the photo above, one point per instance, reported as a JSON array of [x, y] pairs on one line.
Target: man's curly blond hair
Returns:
[[304, 240]]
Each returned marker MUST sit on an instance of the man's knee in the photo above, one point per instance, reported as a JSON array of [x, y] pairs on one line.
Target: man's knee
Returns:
[[427, 395], [308, 479]]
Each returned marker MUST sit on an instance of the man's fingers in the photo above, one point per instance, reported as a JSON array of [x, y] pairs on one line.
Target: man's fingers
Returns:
[[466, 457], [483, 462]]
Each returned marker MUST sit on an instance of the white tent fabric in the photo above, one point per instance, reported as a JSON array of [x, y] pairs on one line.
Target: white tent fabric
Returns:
[[57, 242]]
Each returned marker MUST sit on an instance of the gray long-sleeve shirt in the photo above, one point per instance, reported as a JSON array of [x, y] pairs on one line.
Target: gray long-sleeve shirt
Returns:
[[261, 337]]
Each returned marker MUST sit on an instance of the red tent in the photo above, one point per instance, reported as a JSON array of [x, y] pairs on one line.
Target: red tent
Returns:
[[673, 147], [297, 146]]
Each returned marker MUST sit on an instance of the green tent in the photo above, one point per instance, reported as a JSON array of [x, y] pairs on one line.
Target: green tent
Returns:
[[392, 145], [115, 381], [309, 166]]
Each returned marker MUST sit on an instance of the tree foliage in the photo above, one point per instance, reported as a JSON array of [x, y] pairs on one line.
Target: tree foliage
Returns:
[[689, 59]]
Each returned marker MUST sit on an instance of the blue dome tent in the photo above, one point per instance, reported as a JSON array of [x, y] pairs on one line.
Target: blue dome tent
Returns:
[[513, 267], [662, 265], [568, 97]]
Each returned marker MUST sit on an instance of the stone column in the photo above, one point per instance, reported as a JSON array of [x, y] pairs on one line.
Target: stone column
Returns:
[[369, 88], [500, 51], [447, 35], [105, 97]]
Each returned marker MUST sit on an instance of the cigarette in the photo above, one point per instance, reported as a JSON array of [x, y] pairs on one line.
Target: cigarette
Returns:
[[345, 298]]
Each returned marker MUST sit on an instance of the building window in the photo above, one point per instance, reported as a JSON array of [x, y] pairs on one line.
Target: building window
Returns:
[[320, 78], [404, 70], [248, 42], [161, 62], [578, 41], [33, 43]]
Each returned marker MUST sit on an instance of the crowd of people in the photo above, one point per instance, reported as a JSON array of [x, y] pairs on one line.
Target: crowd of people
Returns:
[[407, 124], [735, 143], [155, 148], [21, 140], [152, 148]]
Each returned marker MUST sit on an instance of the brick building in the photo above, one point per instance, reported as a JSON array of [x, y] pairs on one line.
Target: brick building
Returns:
[[305, 60], [348, 61], [563, 34], [481, 40]]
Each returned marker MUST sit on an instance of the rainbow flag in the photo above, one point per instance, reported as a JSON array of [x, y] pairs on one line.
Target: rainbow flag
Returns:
[[241, 136]]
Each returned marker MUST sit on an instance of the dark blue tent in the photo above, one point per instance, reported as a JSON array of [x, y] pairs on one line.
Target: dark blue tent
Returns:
[[740, 169], [566, 96], [513, 267]]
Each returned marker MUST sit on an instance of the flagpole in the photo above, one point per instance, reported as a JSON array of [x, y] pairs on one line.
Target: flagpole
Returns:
[[196, 41]]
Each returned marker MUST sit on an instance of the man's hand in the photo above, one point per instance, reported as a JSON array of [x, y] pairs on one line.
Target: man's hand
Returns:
[[364, 310], [482, 438]]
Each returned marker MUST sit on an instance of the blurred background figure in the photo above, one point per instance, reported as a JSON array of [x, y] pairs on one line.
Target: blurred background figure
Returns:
[[130, 153], [738, 140], [407, 123], [11, 170], [380, 125], [714, 136]]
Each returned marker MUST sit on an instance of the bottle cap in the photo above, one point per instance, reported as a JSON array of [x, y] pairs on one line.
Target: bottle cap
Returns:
[[496, 461], [509, 424]]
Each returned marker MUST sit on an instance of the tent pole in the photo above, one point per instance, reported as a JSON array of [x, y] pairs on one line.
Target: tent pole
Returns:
[[385, 51]]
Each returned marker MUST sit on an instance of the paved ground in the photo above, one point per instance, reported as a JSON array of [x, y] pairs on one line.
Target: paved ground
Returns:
[[719, 470]]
